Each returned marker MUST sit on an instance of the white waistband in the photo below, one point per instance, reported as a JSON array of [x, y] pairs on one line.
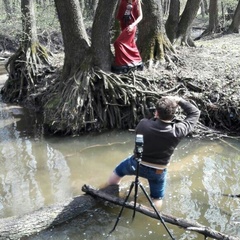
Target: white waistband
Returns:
[[154, 165]]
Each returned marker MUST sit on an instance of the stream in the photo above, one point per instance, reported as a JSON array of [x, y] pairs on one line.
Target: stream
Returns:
[[38, 170]]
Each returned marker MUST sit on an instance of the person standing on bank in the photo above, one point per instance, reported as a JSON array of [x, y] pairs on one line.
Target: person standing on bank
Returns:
[[161, 136], [126, 51]]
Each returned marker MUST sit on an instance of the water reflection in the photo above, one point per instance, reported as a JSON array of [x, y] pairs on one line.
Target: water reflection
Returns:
[[36, 171]]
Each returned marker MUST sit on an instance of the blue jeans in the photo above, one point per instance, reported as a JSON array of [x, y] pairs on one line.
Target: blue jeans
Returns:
[[157, 182]]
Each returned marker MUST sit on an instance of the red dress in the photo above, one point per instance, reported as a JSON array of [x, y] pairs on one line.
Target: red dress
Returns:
[[126, 51]]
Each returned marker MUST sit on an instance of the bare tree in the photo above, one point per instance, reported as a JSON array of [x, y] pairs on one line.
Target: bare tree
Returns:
[[184, 26], [75, 38], [153, 42], [204, 7], [234, 26], [27, 64], [74, 103], [213, 16], [173, 20], [178, 27], [88, 8], [213, 26]]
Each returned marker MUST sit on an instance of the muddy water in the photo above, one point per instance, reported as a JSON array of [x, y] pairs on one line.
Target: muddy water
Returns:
[[38, 170]]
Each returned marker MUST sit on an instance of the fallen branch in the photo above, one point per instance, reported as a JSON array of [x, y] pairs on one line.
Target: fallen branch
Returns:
[[183, 223]]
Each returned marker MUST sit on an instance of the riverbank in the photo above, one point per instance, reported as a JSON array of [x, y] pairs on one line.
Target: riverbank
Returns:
[[210, 76]]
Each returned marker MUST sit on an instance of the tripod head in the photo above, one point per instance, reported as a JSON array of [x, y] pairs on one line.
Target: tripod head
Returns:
[[139, 146]]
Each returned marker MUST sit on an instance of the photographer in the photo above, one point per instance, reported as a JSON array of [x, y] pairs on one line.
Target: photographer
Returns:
[[161, 136]]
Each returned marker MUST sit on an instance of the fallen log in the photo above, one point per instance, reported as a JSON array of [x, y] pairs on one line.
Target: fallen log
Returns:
[[14, 228], [183, 223]]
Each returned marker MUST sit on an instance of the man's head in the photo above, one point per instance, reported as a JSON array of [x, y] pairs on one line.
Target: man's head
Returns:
[[166, 108]]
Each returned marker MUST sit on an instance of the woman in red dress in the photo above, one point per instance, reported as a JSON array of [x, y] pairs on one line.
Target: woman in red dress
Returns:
[[126, 52]]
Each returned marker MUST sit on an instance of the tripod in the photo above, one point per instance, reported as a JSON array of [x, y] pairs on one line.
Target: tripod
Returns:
[[135, 184]]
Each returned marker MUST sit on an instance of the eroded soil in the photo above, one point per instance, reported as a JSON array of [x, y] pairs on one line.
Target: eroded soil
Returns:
[[211, 74]]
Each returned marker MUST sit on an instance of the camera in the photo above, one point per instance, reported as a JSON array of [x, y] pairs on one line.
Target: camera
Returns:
[[152, 109], [139, 145]]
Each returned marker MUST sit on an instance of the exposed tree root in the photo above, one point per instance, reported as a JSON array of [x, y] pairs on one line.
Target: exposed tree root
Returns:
[[185, 40], [94, 100], [26, 69], [98, 100]]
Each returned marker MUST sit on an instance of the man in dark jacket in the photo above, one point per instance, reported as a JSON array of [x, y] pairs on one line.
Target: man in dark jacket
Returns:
[[161, 136]]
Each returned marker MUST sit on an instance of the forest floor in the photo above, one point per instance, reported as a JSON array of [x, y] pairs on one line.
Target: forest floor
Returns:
[[213, 63], [211, 71]]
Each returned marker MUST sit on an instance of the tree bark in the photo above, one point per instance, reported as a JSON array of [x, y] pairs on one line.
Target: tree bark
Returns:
[[15, 228], [213, 26], [101, 34], [8, 9], [213, 16], [153, 42], [173, 20], [184, 26], [76, 42], [234, 27], [28, 23], [204, 7], [183, 223], [26, 66]]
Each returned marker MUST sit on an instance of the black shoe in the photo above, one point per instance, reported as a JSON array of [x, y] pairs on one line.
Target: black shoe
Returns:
[[120, 69], [140, 67], [136, 66]]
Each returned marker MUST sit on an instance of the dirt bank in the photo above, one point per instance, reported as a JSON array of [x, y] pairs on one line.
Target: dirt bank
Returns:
[[210, 74]]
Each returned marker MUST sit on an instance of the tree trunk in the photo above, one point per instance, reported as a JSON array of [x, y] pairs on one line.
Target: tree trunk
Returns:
[[213, 25], [173, 20], [166, 6], [75, 39], [101, 34], [8, 9], [88, 98], [153, 42], [89, 8], [204, 8], [234, 27], [182, 223], [213, 16], [184, 26], [27, 65], [16, 228], [28, 23]]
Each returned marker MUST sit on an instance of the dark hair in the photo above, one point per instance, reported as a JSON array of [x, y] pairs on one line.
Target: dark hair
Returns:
[[166, 108]]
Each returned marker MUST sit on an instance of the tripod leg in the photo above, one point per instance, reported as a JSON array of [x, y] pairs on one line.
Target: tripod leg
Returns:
[[156, 211], [135, 198], [123, 206]]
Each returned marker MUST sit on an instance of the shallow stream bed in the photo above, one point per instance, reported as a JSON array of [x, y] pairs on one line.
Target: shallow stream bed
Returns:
[[38, 170]]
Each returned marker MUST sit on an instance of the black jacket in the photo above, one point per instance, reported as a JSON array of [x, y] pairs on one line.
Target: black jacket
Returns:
[[161, 138]]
